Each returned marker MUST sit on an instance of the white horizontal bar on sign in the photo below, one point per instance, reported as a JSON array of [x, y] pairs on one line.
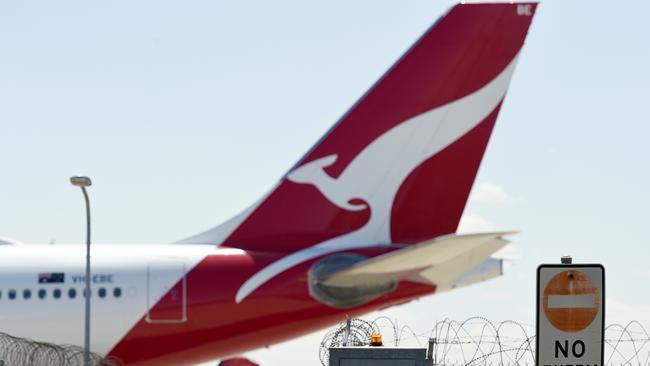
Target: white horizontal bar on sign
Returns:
[[571, 301]]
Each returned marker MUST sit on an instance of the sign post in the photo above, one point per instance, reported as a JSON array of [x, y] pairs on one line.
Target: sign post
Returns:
[[570, 314]]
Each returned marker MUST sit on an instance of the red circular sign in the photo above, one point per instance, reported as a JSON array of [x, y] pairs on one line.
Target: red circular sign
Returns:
[[571, 301]]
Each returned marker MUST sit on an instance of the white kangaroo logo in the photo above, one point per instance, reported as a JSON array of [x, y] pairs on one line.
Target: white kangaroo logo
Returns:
[[314, 173], [376, 173]]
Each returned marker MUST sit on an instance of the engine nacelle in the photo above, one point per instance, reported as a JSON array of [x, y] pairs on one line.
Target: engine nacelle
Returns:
[[340, 295]]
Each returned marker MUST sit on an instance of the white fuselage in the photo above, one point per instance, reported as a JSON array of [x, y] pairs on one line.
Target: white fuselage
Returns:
[[126, 281]]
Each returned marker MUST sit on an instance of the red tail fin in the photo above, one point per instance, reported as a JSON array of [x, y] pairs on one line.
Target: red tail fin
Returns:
[[399, 165]]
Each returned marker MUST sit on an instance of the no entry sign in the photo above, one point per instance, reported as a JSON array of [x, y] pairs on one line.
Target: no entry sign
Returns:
[[570, 314]]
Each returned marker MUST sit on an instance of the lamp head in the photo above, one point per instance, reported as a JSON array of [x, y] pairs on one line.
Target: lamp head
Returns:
[[80, 181]]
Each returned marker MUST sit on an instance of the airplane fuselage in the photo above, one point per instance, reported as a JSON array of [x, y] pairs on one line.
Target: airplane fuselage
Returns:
[[172, 304]]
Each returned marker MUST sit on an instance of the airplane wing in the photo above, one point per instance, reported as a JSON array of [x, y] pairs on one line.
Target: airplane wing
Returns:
[[449, 261]]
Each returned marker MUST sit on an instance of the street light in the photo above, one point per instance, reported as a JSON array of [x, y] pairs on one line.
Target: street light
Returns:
[[84, 182]]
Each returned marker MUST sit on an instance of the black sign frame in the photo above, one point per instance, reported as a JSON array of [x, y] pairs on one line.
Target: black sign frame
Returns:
[[538, 305]]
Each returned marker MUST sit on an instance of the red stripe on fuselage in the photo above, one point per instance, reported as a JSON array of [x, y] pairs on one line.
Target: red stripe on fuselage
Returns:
[[217, 327]]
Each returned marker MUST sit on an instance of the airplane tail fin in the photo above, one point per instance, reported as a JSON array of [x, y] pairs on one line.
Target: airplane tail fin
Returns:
[[399, 165]]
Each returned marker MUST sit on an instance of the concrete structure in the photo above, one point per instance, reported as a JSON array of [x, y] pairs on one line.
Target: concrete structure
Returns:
[[378, 356]]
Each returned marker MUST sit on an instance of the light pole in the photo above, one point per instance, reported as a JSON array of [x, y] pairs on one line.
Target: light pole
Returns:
[[84, 182]]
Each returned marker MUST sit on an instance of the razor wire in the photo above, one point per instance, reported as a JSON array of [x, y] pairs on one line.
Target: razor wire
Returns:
[[16, 351], [478, 341], [358, 335]]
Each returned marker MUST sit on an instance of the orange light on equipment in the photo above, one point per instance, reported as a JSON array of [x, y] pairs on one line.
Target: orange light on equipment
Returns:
[[375, 340]]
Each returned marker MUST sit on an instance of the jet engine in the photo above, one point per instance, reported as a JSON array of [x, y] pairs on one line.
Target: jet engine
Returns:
[[345, 295]]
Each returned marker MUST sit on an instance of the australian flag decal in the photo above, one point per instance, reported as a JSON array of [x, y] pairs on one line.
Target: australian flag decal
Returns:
[[51, 277]]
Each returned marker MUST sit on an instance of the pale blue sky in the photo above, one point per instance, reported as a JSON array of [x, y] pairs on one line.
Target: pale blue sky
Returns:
[[183, 113]]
